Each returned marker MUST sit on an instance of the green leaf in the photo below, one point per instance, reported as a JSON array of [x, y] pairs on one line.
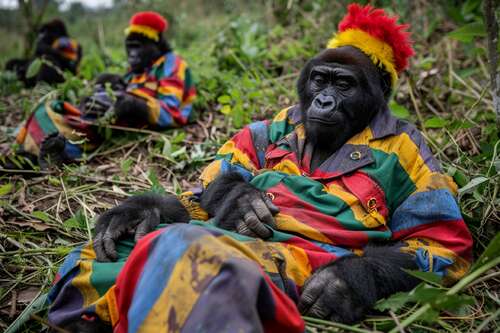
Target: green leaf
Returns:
[[469, 187], [425, 293], [224, 99], [430, 316], [452, 302], [491, 252], [34, 68], [226, 109], [6, 189], [77, 221], [428, 277], [467, 33], [399, 110], [394, 302], [435, 122], [41, 216]]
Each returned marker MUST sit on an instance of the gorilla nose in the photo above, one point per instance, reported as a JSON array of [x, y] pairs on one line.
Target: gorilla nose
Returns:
[[324, 102]]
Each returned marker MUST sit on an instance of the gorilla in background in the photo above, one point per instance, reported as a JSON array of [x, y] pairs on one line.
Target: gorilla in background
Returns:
[[157, 92], [318, 212], [56, 49]]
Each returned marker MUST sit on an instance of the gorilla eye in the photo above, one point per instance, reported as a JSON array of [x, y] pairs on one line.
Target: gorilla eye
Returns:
[[343, 84], [318, 79]]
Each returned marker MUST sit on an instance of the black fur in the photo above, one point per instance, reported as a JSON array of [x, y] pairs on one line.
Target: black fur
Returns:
[[49, 73], [138, 214], [345, 291], [340, 90]]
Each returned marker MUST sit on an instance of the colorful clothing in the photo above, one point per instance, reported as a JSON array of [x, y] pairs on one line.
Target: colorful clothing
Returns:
[[167, 87], [383, 184], [69, 49]]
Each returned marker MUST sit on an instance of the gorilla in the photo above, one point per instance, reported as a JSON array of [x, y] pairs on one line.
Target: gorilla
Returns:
[[334, 187], [58, 52], [156, 92]]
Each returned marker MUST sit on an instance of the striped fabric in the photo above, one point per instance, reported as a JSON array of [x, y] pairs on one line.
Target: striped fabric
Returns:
[[383, 184], [67, 48], [167, 87]]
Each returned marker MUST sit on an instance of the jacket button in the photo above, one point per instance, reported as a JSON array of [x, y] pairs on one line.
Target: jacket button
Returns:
[[372, 204], [270, 195], [355, 155]]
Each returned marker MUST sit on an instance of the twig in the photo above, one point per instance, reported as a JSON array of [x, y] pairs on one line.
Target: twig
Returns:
[[396, 320], [492, 41], [48, 324]]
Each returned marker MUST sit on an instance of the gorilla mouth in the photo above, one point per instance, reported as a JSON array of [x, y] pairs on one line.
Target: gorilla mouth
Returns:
[[324, 121]]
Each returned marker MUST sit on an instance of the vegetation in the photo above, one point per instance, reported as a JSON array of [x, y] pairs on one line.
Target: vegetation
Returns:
[[246, 57]]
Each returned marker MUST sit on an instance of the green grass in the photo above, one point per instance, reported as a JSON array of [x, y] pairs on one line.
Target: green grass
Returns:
[[246, 67]]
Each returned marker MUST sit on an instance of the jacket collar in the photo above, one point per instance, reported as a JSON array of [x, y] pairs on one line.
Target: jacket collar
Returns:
[[354, 154]]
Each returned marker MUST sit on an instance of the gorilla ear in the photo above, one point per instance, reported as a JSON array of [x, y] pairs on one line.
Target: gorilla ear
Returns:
[[385, 83]]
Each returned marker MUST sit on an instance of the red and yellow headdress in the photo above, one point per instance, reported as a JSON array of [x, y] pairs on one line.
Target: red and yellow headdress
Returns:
[[148, 24], [378, 35]]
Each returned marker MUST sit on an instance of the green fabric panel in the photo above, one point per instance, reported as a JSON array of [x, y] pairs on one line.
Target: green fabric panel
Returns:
[[390, 175], [44, 120], [278, 129]]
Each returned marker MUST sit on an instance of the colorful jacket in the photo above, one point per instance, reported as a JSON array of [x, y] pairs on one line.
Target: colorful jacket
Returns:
[[69, 50], [168, 89], [383, 184]]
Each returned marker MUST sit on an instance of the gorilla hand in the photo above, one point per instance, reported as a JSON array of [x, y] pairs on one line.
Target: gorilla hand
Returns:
[[131, 110], [237, 205], [346, 289], [138, 215]]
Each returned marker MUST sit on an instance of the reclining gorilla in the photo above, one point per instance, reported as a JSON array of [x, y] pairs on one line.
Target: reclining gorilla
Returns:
[[294, 206], [157, 92], [59, 53]]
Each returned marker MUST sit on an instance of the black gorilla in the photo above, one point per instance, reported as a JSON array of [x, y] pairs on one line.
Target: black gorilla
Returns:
[[340, 91], [57, 51]]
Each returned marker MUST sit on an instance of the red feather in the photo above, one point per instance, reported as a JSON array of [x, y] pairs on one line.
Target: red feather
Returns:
[[383, 27], [150, 19]]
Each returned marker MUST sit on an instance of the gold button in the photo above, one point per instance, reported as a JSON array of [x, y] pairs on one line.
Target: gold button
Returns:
[[355, 155], [270, 195], [372, 204]]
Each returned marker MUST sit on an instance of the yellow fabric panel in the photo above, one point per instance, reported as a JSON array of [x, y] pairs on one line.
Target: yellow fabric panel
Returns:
[[21, 136], [238, 157], [287, 167], [282, 115], [30, 145], [171, 90], [143, 30], [67, 131], [288, 223], [210, 172], [139, 78], [194, 209], [153, 105], [111, 306], [379, 52], [371, 219], [301, 269], [181, 70], [82, 280]]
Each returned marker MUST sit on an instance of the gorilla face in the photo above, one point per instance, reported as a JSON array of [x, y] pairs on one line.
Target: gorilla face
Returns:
[[340, 91], [141, 52]]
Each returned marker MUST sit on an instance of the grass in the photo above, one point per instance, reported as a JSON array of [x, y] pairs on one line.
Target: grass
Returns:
[[246, 69]]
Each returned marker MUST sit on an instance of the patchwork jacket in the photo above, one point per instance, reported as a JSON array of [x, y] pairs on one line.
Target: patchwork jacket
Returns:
[[382, 185], [168, 89]]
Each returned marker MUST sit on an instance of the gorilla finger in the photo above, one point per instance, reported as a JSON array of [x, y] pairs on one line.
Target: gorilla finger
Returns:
[[98, 245], [272, 207], [243, 229], [253, 222], [262, 211], [149, 222], [320, 308], [109, 242], [312, 290]]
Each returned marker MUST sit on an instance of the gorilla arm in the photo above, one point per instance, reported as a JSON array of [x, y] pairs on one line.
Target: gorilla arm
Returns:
[[345, 290], [138, 215]]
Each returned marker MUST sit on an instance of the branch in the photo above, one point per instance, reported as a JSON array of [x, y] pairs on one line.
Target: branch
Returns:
[[492, 30]]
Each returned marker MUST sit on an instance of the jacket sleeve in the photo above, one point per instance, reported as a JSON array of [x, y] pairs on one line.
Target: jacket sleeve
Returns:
[[171, 105], [237, 154], [429, 221]]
